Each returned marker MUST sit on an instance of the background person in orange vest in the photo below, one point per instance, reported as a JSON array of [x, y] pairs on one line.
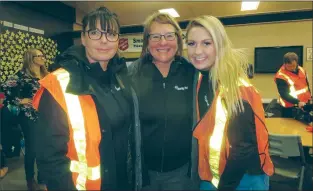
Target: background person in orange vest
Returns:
[[292, 85], [87, 110], [232, 137]]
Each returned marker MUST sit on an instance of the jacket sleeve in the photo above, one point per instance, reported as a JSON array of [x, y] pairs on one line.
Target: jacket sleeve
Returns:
[[283, 90], [51, 136], [243, 151]]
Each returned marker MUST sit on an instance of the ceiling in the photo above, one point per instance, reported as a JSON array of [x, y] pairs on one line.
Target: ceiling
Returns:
[[135, 12]]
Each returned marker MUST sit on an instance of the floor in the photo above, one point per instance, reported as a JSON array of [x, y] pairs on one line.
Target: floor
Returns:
[[15, 179]]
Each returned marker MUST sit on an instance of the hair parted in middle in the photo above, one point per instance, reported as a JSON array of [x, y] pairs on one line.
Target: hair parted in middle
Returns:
[[28, 62], [230, 64], [162, 18]]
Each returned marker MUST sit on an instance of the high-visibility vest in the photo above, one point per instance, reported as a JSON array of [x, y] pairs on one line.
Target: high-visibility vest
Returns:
[[211, 133], [298, 87], [84, 128]]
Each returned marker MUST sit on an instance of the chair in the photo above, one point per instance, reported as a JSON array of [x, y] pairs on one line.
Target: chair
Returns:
[[271, 108], [281, 149]]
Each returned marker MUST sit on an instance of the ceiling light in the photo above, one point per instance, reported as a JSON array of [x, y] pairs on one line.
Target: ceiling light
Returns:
[[170, 11], [249, 5]]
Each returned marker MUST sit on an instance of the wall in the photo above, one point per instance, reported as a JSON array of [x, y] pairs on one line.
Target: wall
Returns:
[[266, 35], [274, 34], [15, 12]]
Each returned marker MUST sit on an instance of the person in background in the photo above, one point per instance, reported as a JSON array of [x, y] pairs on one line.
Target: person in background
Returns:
[[163, 82], [292, 85], [231, 131], [3, 167], [87, 110], [19, 90]]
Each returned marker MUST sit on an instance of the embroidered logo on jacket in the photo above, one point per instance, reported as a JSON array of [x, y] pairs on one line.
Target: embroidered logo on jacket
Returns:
[[117, 88], [181, 88]]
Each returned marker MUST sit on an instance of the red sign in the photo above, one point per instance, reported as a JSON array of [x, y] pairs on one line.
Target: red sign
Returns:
[[123, 44]]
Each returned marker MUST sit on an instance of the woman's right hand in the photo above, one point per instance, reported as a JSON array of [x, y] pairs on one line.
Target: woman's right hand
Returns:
[[26, 101]]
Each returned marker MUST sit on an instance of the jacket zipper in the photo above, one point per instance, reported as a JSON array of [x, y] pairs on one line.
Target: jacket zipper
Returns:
[[165, 121]]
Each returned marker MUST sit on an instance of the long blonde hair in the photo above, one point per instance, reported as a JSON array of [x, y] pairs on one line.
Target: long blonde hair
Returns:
[[230, 64], [161, 18], [28, 62]]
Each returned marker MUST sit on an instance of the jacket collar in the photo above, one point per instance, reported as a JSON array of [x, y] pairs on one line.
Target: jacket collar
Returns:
[[82, 72], [149, 70]]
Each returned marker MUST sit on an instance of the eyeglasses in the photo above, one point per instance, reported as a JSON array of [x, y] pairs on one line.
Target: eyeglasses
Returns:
[[96, 35], [39, 56], [157, 37]]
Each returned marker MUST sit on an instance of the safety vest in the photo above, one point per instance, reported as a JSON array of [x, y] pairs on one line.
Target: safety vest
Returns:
[[214, 145], [84, 128], [298, 87]]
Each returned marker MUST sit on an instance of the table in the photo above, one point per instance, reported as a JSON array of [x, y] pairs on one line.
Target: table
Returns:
[[287, 126]]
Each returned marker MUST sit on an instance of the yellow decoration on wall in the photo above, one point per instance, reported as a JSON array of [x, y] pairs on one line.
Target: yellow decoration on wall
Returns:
[[13, 46]]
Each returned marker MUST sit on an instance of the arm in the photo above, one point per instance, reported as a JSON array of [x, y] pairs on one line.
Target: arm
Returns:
[[283, 90], [52, 135], [243, 152]]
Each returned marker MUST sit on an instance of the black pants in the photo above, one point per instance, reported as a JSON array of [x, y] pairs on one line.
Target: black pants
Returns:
[[3, 160], [10, 133], [27, 126], [173, 180]]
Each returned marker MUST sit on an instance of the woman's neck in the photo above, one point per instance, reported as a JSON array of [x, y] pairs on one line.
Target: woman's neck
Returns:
[[36, 71], [164, 68]]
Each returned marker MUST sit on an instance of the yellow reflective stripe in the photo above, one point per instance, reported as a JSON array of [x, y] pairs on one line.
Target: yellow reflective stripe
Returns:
[[75, 115], [298, 92], [292, 88], [216, 140], [282, 102], [93, 173], [244, 82], [287, 77]]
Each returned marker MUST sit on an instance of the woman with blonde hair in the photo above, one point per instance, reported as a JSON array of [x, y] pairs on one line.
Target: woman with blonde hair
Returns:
[[19, 90], [231, 132], [163, 81]]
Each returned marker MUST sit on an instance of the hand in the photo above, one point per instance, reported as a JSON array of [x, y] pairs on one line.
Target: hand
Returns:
[[301, 104], [26, 101]]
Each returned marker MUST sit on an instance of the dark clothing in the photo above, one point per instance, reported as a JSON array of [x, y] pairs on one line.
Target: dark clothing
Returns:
[[166, 120], [27, 126], [115, 107], [243, 154], [19, 86], [173, 180], [283, 90], [205, 95], [10, 133]]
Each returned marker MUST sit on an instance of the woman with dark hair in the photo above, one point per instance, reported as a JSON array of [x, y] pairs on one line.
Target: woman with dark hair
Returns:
[[87, 110], [19, 90]]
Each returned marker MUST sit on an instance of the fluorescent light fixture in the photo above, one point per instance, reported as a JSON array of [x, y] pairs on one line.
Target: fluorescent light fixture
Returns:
[[170, 11], [249, 5]]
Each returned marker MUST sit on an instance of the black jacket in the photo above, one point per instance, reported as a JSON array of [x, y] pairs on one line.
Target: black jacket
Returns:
[[165, 112], [117, 110]]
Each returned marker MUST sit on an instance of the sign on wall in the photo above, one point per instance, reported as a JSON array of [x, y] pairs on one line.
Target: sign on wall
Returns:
[[133, 43]]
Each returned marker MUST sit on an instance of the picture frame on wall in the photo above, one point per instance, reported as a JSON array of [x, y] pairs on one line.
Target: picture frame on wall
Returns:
[[309, 54]]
